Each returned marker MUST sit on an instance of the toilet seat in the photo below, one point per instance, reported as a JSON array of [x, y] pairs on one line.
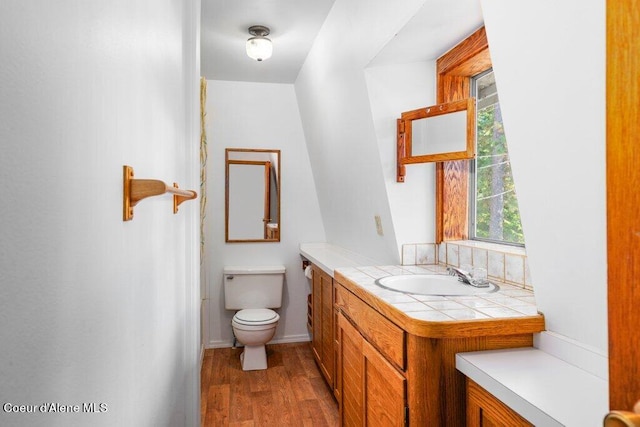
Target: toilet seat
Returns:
[[256, 317]]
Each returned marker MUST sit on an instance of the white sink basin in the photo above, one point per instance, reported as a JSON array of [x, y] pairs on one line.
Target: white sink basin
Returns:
[[432, 284]]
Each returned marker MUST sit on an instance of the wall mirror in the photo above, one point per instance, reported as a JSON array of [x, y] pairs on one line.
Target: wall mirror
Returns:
[[437, 133], [252, 195]]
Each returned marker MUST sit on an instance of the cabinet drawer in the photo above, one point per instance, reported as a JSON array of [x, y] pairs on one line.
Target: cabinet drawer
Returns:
[[388, 338]]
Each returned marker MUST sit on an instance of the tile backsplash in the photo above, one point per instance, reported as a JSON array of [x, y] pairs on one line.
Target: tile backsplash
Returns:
[[503, 263]]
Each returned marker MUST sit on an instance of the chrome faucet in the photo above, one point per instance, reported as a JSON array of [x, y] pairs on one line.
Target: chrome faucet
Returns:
[[463, 276], [466, 277]]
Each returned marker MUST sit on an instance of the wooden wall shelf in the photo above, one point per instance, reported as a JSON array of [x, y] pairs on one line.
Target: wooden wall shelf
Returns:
[[135, 190]]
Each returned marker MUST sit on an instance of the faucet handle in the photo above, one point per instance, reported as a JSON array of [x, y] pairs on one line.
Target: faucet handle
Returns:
[[468, 278], [455, 271]]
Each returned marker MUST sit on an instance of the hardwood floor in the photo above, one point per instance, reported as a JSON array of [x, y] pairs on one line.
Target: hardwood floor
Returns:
[[291, 392]]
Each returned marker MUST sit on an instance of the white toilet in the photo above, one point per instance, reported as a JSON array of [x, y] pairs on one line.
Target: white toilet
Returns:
[[254, 291]]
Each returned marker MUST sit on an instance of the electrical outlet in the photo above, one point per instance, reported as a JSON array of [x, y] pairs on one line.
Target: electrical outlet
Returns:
[[379, 225]]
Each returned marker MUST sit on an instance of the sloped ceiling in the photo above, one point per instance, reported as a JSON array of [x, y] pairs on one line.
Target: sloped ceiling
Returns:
[[294, 24]]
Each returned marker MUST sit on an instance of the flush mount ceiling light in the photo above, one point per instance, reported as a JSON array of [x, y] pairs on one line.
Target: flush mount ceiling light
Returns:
[[259, 47]]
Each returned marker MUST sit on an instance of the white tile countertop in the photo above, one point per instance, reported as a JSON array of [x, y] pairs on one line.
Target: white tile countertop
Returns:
[[508, 302], [329, 257]]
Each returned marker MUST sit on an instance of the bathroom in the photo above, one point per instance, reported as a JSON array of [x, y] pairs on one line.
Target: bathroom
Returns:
[[338, 97], [345, 186], [97, 309]]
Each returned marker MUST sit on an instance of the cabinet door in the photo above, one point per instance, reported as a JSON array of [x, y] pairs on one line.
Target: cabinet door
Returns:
[[316, 339], [350, 363], [322, 341], [484, 410], [327, 328], [373, 391], [337, 378], [385, 392]]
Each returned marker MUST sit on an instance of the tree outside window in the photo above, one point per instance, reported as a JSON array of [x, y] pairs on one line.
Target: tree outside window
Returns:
[[496, 213]]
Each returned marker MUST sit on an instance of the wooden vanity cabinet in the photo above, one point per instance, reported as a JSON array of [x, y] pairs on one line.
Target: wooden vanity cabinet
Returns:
[[484, 410], [389, 376], [322, 342]]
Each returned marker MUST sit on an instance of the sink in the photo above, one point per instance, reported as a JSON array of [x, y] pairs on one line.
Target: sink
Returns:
[[432, 284]]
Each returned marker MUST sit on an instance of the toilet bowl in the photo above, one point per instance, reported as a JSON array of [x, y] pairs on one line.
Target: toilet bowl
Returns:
[[254, 328], [254, 291]]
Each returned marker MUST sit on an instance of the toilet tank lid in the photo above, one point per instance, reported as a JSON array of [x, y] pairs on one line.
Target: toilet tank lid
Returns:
[[263, 269]]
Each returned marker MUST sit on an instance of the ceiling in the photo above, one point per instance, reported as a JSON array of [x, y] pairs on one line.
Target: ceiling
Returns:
[[294, 24], [433, 30]]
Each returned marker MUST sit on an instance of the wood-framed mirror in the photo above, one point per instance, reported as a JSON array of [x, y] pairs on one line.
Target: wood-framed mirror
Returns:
[[252, 195], [437, 133]]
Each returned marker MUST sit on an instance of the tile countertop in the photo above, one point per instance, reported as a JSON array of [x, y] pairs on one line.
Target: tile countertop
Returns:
[[329, 257], [511, 309]]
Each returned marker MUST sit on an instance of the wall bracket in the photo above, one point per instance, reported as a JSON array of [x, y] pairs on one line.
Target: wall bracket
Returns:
[[135, 190]]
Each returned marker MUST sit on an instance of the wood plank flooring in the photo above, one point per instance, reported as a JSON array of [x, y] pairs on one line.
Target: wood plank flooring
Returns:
[[291, 392]]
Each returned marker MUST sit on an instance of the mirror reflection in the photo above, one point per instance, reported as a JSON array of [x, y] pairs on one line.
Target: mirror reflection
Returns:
[[437, 133], [252, 196]]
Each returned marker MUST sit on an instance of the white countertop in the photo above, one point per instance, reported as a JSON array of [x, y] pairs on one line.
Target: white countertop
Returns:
[[329, 257], [543, 389], [508, 302]]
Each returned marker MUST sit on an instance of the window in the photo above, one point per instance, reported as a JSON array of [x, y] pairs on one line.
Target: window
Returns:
[[494, 213]]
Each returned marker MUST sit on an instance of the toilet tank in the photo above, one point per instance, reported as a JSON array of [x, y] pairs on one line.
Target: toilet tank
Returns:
[[253, 287]]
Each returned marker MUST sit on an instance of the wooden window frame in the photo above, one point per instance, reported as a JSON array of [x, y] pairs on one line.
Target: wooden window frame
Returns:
[[454, 71]]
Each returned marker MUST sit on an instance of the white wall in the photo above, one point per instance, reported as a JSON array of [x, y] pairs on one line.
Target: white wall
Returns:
[[95, 309], [260, 115], [549, 60], [393, 89], [339, 126]]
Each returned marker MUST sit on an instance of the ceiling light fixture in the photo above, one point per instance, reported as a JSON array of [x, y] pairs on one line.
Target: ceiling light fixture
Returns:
[[259, 47]]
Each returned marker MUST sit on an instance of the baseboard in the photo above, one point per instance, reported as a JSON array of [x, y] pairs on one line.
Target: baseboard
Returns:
[[219, 344], [201, 355], [277, 340], [291, 338], [585, 357]]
